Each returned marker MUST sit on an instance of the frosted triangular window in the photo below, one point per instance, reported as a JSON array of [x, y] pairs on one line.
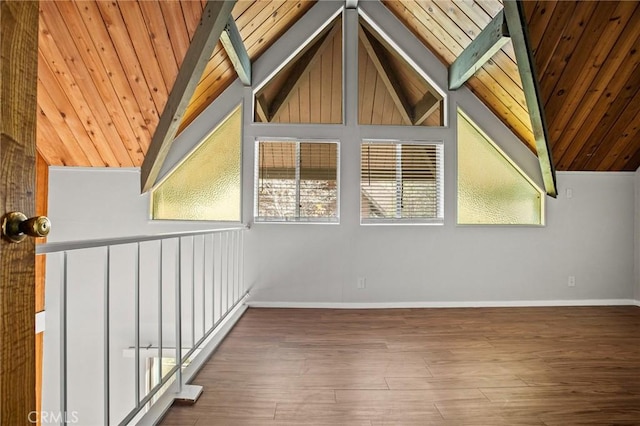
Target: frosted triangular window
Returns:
[[491, 189]]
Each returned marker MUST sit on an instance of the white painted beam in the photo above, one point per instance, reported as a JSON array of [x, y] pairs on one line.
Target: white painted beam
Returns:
[[214, 19], [514, 14], [232, 42], [482, 48]]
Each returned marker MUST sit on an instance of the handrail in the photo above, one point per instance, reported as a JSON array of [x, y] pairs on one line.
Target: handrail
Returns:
[[85, 244], [198, 284]]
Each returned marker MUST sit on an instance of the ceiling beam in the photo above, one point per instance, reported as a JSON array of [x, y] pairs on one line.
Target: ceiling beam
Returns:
[[351, 4], [424, 108], [374, 50], [261, 109], [232, 42], [482, 48], [301, 67], [516, 21], [215, 17]]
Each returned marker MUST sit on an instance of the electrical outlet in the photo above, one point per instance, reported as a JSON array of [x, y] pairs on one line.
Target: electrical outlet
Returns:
[[362, 282], [569, 193], [572, 281]]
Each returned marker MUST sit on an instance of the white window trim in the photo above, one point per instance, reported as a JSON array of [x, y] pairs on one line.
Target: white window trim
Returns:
[[406, 221], [296, 220]]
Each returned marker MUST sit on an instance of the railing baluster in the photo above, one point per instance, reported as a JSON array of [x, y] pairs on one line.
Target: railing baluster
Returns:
[[161, 279], [237, 266], [234, 265], [228, 270], [221, 268], [107, 355], [193, 290], [137, 325], [204, 290], [63, 335], [226, 284], [179, 315], [242, 286], [213, 279]]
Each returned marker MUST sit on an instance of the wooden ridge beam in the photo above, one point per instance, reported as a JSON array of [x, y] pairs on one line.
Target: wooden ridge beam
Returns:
[[232, 42], [374, 50], [301, 67], [517, 24], [482, 48], [215, 17]]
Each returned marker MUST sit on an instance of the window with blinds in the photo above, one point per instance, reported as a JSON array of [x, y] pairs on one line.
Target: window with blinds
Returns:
[[296, 181], [401, 182]]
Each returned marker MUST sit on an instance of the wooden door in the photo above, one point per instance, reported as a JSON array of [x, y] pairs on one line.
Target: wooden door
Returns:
[[18, 74]]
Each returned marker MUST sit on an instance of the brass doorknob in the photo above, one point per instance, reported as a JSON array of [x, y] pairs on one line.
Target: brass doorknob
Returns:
[[16, 227]]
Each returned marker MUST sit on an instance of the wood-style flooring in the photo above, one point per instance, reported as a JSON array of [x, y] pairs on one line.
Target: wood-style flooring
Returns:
[[499, 366]]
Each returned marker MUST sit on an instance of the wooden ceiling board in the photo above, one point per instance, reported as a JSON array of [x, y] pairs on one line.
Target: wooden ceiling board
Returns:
[[587, 74], [176, 27], [142, 73], [163, 49], [610, 130], [260, 23], [317, 98], [142, 116], [500, 67], [428, 30], [79, 75], [588, 62], [603, 91], [583, 66], [55, 106], [539, 18], [50, 113], [107, 67]]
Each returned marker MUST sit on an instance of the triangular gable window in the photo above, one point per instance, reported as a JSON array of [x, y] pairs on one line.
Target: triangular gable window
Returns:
[[390, 90], [492, 190], [309, 88], [206, 185]]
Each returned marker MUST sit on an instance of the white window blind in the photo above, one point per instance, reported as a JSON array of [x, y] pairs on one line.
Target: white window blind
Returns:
[[401, 182], [296, 181]]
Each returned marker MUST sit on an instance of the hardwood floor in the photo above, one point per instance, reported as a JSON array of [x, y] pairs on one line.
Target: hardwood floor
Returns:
[[510, 366]]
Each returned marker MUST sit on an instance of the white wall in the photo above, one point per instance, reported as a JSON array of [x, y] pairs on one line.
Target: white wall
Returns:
[[106, 203], [91, 203], [587, 236]]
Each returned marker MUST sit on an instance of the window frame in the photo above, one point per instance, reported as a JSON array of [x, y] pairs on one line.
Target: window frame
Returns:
[[491, 142], [297, 219], [439, 219]]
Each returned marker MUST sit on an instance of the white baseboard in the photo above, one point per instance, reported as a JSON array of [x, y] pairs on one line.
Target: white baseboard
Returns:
[[460, 304]]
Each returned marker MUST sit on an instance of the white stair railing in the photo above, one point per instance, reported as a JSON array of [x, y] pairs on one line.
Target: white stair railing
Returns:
[[126, 317]]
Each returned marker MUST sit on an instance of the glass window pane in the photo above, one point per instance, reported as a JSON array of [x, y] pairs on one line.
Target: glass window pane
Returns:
[[308, 89], [206, 186], [490, 189], [318, 180], [276, 180], [401, 182], [390, 90], [297, 181]]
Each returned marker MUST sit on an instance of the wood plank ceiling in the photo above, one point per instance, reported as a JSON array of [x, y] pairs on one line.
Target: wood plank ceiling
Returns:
[[106, 69]]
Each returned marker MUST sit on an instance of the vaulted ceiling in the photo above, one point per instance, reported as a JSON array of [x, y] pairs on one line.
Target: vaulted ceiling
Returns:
[[106, 69]]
